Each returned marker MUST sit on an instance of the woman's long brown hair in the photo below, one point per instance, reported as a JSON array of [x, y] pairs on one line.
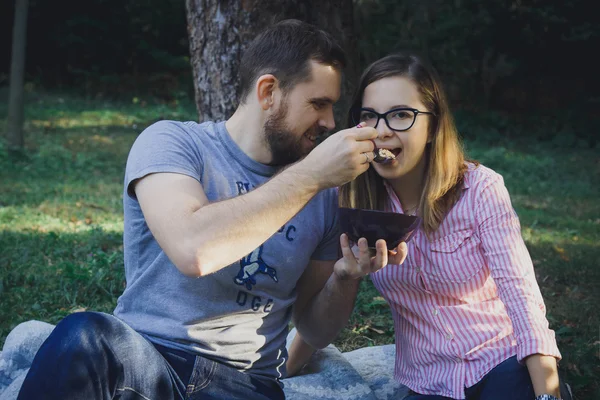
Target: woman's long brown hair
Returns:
[[445, 164]]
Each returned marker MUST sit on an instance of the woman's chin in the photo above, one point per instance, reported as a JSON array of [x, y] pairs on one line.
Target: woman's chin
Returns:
[[392, 170]]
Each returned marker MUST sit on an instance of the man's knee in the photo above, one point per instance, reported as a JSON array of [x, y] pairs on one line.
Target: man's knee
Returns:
[[77, 332]]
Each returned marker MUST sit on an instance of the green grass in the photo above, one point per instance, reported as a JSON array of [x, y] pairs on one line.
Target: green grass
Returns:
[[61, 220]]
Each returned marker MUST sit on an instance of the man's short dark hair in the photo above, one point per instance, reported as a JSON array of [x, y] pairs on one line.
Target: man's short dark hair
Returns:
[[285, 51]]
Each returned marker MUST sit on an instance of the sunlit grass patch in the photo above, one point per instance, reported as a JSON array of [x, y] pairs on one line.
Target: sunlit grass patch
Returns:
[[61, 222], [48, 274]]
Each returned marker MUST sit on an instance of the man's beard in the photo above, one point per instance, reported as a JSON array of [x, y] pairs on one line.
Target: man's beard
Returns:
[[285, 145]]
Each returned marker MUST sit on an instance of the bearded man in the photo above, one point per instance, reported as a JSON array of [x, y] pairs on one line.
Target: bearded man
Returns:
[[230, 231]]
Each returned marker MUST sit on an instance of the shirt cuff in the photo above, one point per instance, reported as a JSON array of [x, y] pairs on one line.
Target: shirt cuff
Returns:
[[542, 341]]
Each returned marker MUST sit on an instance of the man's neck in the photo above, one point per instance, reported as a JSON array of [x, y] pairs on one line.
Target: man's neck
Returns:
[[246, 129]]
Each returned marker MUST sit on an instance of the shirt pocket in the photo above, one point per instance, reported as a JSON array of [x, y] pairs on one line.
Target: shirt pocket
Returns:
[[455, 257]]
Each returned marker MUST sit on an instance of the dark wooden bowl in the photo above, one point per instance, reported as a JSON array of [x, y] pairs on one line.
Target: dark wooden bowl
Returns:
[[373, 225]]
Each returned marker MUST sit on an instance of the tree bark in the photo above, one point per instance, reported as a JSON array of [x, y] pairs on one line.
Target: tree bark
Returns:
[[220, 30], [14, 123]]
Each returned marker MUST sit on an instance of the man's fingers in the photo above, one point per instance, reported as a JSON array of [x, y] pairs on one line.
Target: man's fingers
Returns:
[[365, 146], [345, 245], [398, 255], [360, 259], [381, 256], [355, 251], [365, 133], [364, 257]]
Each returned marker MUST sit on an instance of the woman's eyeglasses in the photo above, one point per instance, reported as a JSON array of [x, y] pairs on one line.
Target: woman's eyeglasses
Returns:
[[398, 119]]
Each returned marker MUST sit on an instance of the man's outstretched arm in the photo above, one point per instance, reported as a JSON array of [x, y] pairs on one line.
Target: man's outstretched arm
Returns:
[[200, 237]]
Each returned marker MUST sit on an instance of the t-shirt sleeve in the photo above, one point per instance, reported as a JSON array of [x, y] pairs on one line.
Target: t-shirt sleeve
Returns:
[[165, 146], [328, 248]]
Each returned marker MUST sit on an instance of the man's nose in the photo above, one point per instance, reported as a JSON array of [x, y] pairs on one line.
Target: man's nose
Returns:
[[328, 120]]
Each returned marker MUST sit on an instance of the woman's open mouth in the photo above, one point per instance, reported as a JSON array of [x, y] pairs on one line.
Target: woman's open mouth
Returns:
[[385, 156]]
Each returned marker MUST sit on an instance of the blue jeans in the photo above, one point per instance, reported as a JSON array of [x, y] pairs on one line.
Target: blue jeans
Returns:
[[97, 356], [508, 380]]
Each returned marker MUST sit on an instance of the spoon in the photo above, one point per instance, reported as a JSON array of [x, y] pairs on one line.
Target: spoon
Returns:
[[382, 156]]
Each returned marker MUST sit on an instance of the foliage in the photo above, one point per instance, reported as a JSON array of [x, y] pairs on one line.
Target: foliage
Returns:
[[514, 55], [4, 160], [106, 46]]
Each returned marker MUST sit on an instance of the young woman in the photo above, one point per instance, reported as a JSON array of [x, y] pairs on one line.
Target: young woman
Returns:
[[468, 314]]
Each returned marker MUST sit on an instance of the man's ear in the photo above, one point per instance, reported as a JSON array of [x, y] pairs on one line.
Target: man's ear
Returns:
[[265, 90]]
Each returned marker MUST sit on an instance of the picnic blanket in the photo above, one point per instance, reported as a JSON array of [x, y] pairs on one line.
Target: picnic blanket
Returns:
[[363, 374]]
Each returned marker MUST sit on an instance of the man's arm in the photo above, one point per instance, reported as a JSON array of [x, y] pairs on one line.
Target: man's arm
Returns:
[[311, 282], [326, 295], [200, 237], [326, 291], [299, 355], [324, 303]]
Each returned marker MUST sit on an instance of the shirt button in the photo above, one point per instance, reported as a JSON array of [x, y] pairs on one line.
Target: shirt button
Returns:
[[418, 269], [449, 336], [458, 360], [435, 312]]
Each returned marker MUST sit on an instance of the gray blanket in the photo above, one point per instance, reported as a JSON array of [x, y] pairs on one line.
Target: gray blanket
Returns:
[[363, 374]]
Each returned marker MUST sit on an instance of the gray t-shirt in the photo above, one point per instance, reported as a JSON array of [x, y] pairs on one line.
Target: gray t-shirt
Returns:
[[238, 315]]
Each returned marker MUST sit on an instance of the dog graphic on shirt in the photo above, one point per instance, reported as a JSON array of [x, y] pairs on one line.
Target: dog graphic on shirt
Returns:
[[250, 266]]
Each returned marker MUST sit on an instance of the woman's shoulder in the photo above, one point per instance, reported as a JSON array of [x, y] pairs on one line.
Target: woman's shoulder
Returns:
[[479, 176]]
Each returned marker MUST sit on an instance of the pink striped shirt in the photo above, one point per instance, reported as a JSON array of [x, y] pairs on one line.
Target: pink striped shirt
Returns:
[[467, 298]]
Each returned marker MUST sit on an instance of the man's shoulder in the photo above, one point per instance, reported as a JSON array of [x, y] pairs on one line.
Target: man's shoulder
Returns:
[[179, 127], [164, 135]]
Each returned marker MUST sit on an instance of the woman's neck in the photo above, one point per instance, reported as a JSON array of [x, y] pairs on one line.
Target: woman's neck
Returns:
[[409, 187]]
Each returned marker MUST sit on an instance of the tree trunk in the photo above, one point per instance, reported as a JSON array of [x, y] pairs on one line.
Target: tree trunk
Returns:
[[14, 123], [220, 30]]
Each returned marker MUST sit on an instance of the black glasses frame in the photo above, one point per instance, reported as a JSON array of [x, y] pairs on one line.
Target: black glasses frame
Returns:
[[385, 114]]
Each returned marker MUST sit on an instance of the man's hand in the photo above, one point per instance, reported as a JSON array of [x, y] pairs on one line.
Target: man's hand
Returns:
[[326, 299], [354, 265], [340, 158]]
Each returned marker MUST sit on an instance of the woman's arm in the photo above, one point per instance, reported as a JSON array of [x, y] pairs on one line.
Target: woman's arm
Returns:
[[544, 374], [512, 270]]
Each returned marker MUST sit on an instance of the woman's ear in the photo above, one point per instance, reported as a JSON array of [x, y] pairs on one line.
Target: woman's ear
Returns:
[[431, 133], [265, 90]]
